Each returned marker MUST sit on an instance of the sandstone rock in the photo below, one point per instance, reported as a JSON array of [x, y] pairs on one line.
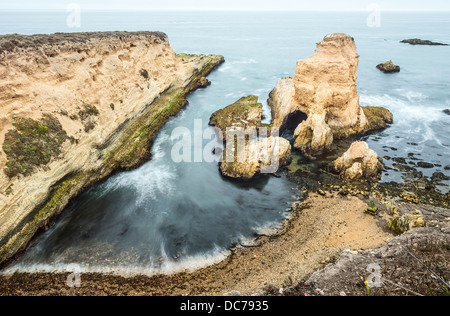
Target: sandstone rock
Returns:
[[388, 67], [324, 89], [359, 162], [247, 159]]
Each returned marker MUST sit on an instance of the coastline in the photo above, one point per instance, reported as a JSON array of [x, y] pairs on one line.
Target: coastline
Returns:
[[321, 229], [115, 152]]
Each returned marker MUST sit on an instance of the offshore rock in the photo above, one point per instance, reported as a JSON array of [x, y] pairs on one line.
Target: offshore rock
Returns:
[[388, 67]]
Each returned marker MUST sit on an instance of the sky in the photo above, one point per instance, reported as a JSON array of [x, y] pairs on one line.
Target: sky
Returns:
[[302, 5]]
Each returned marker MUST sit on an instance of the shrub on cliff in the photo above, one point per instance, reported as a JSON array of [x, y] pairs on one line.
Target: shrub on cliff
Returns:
[[32, 144]]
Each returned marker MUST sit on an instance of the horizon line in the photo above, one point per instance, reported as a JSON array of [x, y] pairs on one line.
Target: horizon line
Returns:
[[221, 10]]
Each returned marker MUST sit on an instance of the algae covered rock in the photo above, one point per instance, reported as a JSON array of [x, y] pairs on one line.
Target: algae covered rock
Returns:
[[359, 162], [388, 67], [417, 41], [407, 222], [377, 118], [244, 113]]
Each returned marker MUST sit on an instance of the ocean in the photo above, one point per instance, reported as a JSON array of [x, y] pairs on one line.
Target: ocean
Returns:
[[167, 216]]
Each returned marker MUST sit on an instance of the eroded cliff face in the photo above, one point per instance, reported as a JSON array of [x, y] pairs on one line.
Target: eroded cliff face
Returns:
[[324, 88], [109, 92]]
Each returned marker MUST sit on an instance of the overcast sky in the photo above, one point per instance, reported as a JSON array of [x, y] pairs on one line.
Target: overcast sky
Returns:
[[361, 5]]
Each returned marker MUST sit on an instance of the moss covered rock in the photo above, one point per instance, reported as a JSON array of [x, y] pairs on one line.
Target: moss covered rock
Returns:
[[388, 67], [244, 113]]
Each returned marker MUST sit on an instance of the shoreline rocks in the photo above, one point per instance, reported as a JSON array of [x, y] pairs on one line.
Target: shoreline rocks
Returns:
[[388, 67], [359, 162], [324, 90]]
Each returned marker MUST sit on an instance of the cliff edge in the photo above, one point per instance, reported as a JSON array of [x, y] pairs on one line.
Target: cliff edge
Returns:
[[76, 107]]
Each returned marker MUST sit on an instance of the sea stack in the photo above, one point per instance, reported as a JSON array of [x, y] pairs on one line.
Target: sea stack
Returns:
[[324, 91]]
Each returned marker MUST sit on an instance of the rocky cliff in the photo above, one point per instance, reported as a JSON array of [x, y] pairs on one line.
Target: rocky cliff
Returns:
[[324, 91], [76, 107]]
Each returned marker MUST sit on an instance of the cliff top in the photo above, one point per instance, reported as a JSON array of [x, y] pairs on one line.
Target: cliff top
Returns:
[[10, 42]]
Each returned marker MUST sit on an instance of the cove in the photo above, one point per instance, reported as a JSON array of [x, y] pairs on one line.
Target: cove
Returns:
[[165, 216]]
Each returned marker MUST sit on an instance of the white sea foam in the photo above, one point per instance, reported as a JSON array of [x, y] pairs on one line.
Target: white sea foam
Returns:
[[165, 265]]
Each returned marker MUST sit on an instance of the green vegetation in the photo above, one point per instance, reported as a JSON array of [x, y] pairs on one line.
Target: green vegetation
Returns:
[[32, 144], [372, 210]]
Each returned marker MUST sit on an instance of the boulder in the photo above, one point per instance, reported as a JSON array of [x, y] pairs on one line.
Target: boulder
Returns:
[[359, 162]]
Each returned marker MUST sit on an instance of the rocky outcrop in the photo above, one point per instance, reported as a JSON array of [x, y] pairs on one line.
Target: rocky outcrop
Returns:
[[388, 67], [324, 90], [251, 147], [247, 159], [105, 94], [359, 162], [243, 114], [416, 41]]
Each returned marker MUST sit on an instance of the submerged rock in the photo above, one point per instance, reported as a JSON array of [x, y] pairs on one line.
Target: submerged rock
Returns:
[[359, 162], [324, 90], [447, 111], [388, 67], [416, 41], [247, 159]]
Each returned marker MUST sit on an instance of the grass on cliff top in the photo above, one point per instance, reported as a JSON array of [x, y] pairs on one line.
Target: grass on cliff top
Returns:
[[32, 144]]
